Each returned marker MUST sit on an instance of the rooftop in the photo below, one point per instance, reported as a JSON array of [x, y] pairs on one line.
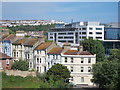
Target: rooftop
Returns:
[[9, 37], [4, 56], [30, 41], [76, 52], [20, 41], [43, 46], [2, 37], [55, 50]]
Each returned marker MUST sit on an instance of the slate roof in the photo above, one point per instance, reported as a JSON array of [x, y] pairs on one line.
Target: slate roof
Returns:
[[43, 46], [4, 56], [55, 50], [9, 37], [30, 42], [18, 42], [2, 37]]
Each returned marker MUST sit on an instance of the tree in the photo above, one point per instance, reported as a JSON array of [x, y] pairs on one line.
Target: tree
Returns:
[[105, 74], [58, 72], [94, 47], [31, 28], [114, 54], [20, 65]]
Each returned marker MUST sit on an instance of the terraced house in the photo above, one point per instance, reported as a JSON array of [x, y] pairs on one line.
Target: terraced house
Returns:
[[40, 54], [79, 63], [29, 46], [7, 44], [54, 55], [1, 44], [5, 61], [18, 49]]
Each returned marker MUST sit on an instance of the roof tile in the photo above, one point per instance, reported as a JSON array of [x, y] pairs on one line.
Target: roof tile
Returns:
[[76, 52], [9, 37], [4, 56], [43, 46], [55, 50]]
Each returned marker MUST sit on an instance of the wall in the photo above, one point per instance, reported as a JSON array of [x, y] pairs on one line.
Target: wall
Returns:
[[20, 73], [6, 66], [77, 74]]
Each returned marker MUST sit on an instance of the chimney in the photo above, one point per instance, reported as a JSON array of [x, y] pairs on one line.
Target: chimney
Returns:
[[80, 48], [66, 46]]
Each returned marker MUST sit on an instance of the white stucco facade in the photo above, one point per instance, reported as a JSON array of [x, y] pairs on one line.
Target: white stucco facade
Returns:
[[80, 67]]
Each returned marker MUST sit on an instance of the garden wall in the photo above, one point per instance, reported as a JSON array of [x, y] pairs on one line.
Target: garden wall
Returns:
[[20, 73]]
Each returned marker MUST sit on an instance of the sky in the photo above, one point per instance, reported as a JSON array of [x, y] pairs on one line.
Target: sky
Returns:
[[104, 12]]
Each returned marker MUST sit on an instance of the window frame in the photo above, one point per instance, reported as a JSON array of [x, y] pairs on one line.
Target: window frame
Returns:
[[65, 59], [82, 69], [7, 61]]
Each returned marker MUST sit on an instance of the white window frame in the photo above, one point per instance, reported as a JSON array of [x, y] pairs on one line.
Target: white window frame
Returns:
[[7, 61], [37, 60], [89, 59], [82, 79], [82, 69]]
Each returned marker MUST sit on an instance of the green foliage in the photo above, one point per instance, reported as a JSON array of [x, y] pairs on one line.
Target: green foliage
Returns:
[[105, 74], [59, 72], [11, 32], [94, 47], [20, 82], [32, 28], [20, 65], [41, 76], [27, 36], [114, 54]]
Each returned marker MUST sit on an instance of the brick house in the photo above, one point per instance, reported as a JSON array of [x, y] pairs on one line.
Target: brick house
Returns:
[[5, 61]]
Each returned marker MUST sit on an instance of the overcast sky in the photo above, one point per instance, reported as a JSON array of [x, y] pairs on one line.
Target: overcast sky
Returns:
[[104, 12]]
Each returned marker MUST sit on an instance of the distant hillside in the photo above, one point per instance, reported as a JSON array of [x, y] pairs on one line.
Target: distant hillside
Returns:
[[32, 28]]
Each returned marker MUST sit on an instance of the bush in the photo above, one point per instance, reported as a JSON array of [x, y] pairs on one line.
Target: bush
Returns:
[[20, 65], [58, 72]]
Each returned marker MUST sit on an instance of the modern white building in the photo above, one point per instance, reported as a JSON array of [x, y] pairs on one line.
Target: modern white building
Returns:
[[75, 32]]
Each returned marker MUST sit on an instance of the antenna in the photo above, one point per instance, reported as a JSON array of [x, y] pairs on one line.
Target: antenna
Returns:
[[71, 20]]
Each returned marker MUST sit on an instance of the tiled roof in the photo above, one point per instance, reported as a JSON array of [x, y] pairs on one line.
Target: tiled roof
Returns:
[[4, 56], [55, 50], [71, 52], [43, 46], [76, 52], [30, 42], [9, 37], [85, 53], [20, 41]]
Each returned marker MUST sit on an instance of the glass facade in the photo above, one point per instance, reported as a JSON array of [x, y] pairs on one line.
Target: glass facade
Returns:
[[110, 45], [112, 33]]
